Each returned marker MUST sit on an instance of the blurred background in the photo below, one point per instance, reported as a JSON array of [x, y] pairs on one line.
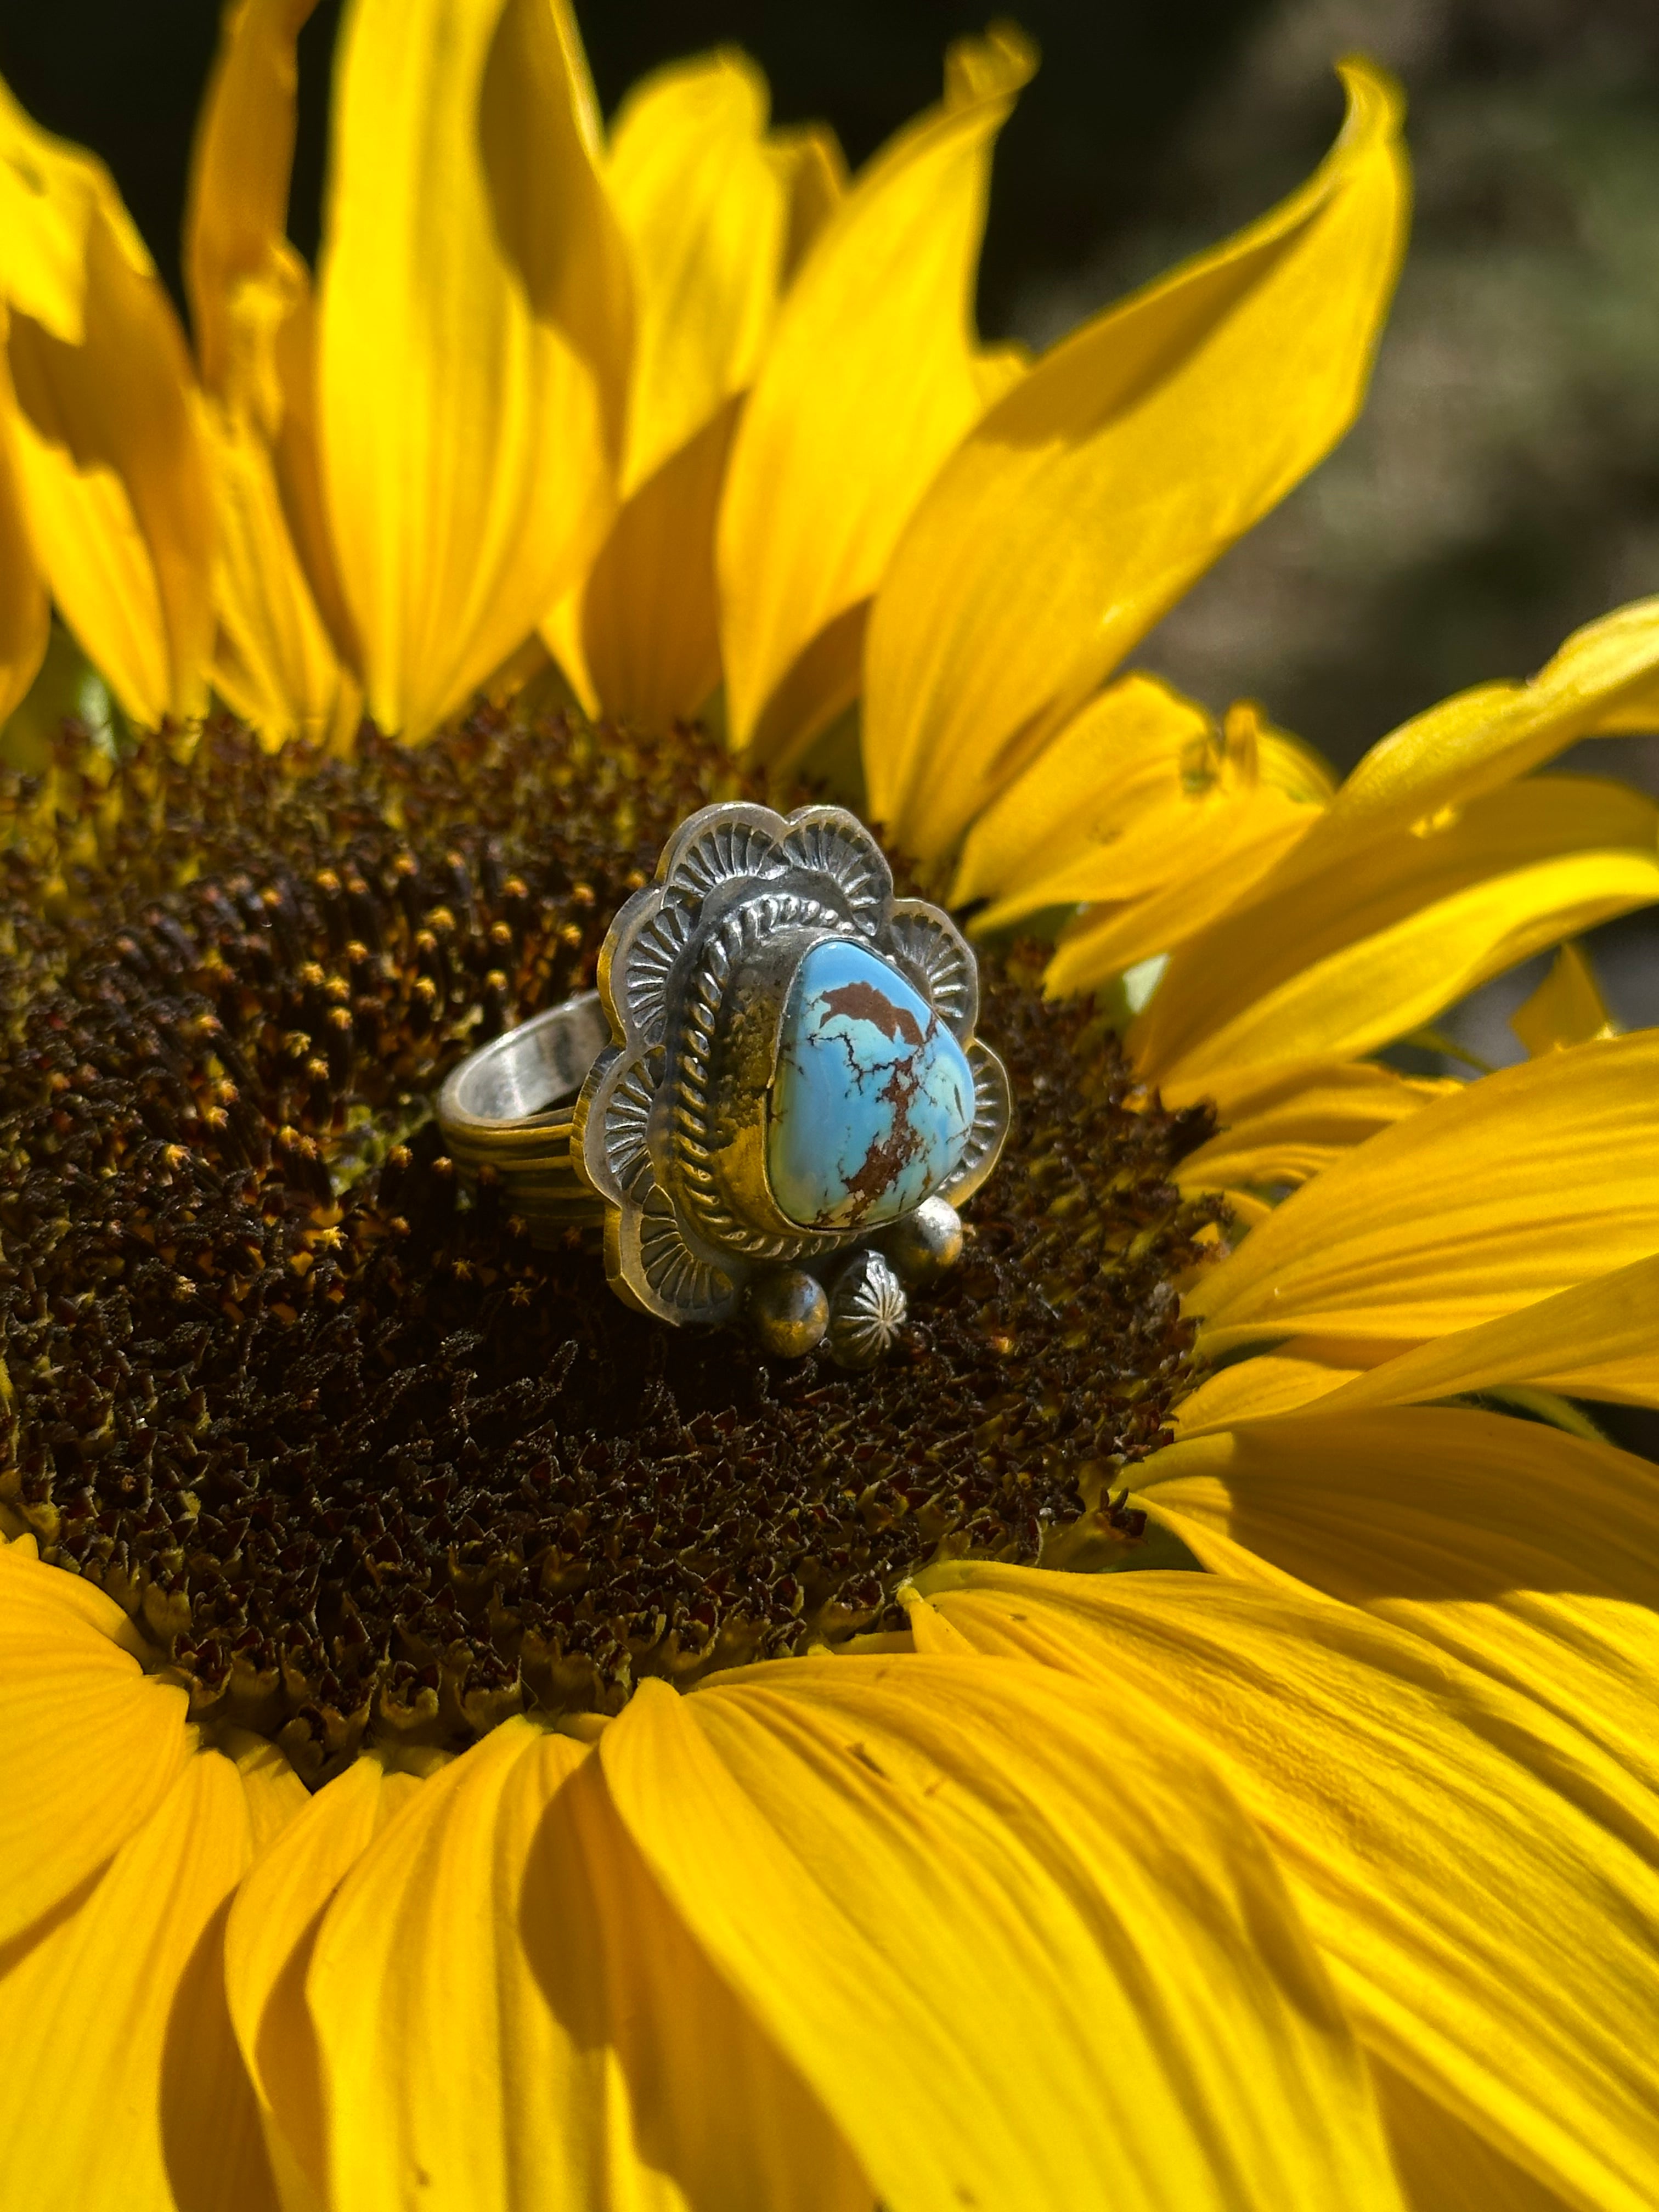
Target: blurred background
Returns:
[[1503, 486]]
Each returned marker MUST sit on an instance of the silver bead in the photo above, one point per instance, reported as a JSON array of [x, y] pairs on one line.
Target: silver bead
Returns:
[[866, 1311], [925, 1243], [788, 1311]]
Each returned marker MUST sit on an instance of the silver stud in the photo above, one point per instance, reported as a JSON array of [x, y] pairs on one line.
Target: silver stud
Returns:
[[788, 1311], [925, 1244], [866, 1311]]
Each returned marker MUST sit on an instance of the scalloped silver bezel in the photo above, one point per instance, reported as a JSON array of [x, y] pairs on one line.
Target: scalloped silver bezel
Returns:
[[737, 883]]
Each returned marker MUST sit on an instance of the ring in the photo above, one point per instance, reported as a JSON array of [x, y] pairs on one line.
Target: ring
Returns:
[[774, 1101]]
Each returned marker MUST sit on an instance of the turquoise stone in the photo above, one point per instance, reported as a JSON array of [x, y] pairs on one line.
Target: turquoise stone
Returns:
[[873, 1099]]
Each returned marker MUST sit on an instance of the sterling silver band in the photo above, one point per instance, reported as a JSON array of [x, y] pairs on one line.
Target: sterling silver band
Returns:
[[511, 1107]]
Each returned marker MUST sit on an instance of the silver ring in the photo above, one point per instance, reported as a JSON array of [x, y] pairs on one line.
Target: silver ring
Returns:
[[774, 1101], [509, 1106]]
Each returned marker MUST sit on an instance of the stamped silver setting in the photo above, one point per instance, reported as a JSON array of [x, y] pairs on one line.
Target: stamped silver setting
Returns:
[[792, 1101], [671, 1128]]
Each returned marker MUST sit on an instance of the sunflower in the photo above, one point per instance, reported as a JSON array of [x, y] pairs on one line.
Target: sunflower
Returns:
[[487, 1750]]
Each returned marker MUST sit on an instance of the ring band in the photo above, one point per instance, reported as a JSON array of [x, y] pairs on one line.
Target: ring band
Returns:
[[511, 1105], [774, 1102]]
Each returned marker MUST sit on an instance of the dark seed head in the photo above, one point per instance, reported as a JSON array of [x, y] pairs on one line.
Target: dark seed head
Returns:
[[362, 1461]]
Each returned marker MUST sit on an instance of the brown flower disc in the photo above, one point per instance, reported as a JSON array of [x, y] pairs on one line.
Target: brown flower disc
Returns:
[[364, 1463]]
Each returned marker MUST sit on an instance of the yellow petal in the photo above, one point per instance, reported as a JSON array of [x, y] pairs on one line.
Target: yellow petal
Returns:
[[210, 2117], [998, 369], [1140, 794], [1522, 1184], [286, 640], [1631, 710], [1123, 755], [650, 622], [813, 171], [468, 318], [255, 320], [1444, 2165], [276, 664], [110, 447], [1250, 1389], [1337, 965], [1383, 987], [704, 204], [276, 1795], [704, 208], [1596, 1339], [1566, 1008], [122, 2087], [1295, 1124], [428, 2023], [867, 385], [505, 2007], [93, 555], [1531, 1555], [89, 1746], [286, 310], [1476, 1872], [24, 607], [541, 135], [1247, 1208], [1478, 739], [561, 632], [268, 1941], [53, 198], [1115, 472], [237, 212], [1218, 861], [960, 1898]]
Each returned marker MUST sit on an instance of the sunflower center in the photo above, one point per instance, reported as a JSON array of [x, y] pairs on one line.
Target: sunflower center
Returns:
[[360, 1461]]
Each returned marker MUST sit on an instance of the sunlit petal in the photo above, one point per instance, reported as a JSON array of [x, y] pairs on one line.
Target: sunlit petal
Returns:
[[505, 2005], [276, 664], [704, 208], [1337, 965], [471, 333], [137, 2096], [1141, 803], [1193, 858], [269, 1941], [286, 640], [25, 604], [1057, 1918], [1480, 1875], [1295, 1124], [1566, 1008], [1518, 1186], [1251, 1389], [813, 169], [109, 445], [236, 217], [1532, 1555], [1123, 755], [704, 205], [1596, 1339], [868, 383], [92, 554], [650, 622], [1117, 471], [1478, 739], [90, 1744]]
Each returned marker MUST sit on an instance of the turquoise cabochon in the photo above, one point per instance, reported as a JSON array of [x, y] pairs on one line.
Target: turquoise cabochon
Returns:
[[872, 1104]]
